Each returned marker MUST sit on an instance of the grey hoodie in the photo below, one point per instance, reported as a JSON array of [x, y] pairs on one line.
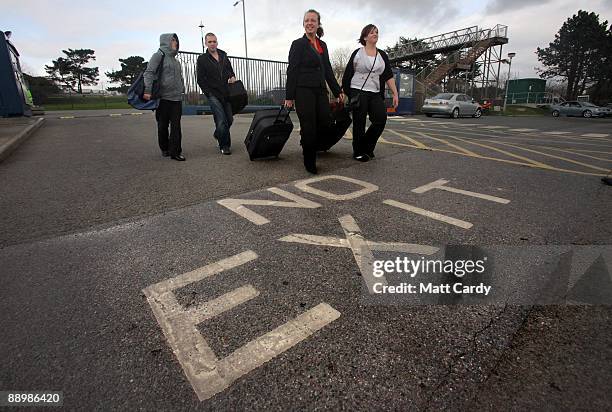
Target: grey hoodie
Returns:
[[172, 86]]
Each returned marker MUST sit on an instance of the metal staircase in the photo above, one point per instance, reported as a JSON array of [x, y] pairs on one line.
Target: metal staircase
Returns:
[[462, 49], [463, 63]]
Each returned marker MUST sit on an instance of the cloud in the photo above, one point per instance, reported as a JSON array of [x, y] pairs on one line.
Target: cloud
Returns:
[[111, 29], [512, 6]]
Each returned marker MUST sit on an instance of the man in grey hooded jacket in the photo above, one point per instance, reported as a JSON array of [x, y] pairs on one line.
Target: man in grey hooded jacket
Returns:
[[171, 89]]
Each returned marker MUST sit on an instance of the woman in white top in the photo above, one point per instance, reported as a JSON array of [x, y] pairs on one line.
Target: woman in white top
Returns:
[[365, 76]]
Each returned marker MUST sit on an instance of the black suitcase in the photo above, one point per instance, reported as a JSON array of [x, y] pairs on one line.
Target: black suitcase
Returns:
[[237, 96], [340, 122], [269, 131]]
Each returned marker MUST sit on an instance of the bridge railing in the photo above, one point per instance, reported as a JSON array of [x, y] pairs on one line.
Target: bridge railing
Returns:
[[448, 40]]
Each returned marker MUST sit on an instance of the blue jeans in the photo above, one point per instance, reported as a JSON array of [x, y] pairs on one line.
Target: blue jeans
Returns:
[[222, 113]]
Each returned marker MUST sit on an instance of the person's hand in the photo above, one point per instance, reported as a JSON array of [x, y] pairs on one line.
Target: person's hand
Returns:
[[340, 97], [231, 79], [146, 96], [395, 101], [288, 104]]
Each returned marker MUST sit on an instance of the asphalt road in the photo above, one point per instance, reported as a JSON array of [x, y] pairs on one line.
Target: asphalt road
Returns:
[[94, 217]]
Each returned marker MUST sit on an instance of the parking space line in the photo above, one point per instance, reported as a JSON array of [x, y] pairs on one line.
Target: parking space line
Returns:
[[552, 156], [505, 152], [574, 153], [556, 133], [466, 151], [589, 151], [441, 184], [512, 162], [410, 139], [432, 215]]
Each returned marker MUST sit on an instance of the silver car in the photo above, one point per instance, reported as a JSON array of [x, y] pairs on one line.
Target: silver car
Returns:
[[581, 109], [453, 105]]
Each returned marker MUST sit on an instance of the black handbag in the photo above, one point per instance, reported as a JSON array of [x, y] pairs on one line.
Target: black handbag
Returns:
[[238, 97], [355, 100]]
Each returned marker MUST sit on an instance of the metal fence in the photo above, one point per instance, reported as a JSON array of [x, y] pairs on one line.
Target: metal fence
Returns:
[[533, 98], [263, 79]]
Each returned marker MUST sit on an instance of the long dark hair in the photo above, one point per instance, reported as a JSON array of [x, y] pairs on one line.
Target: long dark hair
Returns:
[[320, 29], [365, 32]]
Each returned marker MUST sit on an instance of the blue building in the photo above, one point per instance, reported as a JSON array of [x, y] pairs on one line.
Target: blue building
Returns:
[[15, 98]]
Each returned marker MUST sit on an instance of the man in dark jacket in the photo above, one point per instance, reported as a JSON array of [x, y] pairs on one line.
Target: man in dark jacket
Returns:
[[214, 73]]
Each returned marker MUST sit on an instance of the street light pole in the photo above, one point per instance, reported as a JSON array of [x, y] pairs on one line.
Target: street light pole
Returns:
[[510, 56], [246, 50], [201, 26]]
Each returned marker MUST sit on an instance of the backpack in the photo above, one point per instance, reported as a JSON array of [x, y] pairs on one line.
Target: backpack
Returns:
[[136, 90]]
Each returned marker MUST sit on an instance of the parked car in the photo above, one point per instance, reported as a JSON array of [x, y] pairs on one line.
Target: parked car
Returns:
[[582, 109], [452, 104]]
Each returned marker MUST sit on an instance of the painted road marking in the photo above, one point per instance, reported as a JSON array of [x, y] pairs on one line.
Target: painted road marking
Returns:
[[493, 127], [466, 151], [556, 133], [410, 139], [66, 117], [304, 186], [432, 215], [595, 135], [495, 149], [238, 205], [574, 152], [115, 114], [361, 248], [135, 114], [441, 184], [527, 162], [522, 130], [552, 156], [207, 374]]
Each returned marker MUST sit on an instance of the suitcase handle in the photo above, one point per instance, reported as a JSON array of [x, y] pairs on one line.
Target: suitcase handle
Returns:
[[279, 113]]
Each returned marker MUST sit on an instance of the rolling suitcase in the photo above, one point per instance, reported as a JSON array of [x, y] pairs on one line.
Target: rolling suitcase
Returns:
[[269, 131], [339, 124]]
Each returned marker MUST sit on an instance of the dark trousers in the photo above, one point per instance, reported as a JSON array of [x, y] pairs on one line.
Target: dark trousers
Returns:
[[169, 113], [312, 107], [222, 114], [372, 105]]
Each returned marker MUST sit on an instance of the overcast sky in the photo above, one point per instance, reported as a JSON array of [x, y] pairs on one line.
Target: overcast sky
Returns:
[[117, 29]]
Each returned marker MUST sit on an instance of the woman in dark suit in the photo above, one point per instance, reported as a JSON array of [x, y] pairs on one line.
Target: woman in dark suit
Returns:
[[307, 74], [366, 74]]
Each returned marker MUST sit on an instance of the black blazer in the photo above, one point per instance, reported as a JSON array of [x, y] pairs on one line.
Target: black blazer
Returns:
[[212, 75], [349, 72], [307, 68]]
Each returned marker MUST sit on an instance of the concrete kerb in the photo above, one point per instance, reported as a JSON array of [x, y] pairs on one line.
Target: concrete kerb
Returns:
[[8, 147]]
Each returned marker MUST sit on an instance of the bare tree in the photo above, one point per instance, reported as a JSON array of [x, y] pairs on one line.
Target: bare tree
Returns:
[[339, 59]]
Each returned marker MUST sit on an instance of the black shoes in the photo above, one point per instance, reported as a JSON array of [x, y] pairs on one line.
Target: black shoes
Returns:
[[179, 157], [371, 155], [361, 157], [226, 151], [310, 161], [165, 153]]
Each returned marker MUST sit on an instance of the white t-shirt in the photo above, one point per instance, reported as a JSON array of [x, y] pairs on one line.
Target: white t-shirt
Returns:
[[362, 64]]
